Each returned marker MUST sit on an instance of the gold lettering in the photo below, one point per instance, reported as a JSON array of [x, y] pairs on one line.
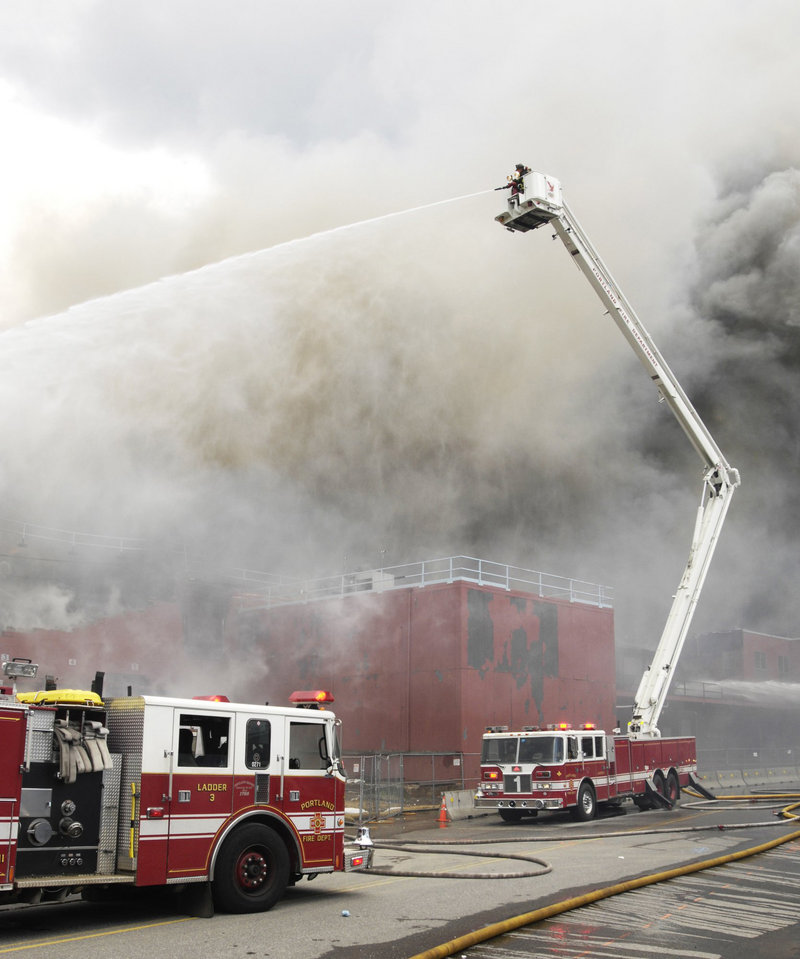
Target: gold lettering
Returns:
[[212, 787], [317, 804]]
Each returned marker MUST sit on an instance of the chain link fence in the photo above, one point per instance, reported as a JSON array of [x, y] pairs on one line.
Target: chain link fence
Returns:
[[380, 786]]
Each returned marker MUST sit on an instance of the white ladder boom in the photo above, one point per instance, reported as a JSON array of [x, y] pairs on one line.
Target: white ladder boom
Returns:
[[541, 202]]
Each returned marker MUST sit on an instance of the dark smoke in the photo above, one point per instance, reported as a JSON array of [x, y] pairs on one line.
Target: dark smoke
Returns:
[[747, 295]]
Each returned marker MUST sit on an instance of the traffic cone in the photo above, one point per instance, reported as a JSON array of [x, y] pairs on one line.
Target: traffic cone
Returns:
[[443, 820]]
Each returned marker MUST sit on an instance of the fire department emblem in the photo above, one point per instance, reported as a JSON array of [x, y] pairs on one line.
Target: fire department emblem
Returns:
[[317, 823]]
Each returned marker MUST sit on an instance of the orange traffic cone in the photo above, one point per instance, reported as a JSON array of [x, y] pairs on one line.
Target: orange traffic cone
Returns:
[[443, 820]]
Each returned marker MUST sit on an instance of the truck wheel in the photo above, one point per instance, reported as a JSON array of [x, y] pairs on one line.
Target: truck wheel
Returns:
[[673, 792], [510, 815], [659, 783], [252, 870], [586, 807]]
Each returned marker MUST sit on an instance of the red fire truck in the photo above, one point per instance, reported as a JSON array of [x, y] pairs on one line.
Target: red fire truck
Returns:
[[151, 791], [557, 767]]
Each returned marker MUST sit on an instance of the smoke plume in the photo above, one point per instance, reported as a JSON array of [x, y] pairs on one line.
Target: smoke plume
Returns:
[[416, 386], [382, 394]]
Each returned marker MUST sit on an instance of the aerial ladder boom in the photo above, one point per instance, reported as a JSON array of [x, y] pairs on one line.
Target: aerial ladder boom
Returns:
[[536, 200]]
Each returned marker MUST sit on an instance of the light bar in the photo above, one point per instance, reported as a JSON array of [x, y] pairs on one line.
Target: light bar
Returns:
[[311, 697]]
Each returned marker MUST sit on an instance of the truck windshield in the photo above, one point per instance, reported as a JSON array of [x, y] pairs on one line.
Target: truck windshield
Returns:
[[541, 749], [500, 750]]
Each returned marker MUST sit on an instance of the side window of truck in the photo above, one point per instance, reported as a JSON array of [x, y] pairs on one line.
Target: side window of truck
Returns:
[[257, 744], [203, 740], [307, 749], [599, 746], [587, 747]]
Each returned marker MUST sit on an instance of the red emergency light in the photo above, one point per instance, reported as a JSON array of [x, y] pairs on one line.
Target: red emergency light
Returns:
[[311, 698], [589, 726], [217, 698]]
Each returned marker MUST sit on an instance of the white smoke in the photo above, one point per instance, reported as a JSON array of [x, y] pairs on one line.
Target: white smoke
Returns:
[[422, 385]]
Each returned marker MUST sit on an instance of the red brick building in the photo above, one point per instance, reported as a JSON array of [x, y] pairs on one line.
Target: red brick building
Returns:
[[425, 668], [420, 658]]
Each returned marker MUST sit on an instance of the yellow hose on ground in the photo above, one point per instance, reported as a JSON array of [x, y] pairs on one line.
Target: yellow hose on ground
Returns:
[[547, 912]]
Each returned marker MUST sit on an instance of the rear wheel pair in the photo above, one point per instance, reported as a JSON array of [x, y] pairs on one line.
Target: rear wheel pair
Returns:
[[669, 787]]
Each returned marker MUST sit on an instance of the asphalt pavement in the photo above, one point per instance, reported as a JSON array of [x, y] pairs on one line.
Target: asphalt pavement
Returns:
[[376, 916]]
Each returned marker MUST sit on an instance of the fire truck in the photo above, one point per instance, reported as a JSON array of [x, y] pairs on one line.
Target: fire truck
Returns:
[[558, 767], [151, 791]]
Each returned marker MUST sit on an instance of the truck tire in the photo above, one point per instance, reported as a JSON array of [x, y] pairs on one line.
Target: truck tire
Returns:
[[586, 807], [660, 783], [517, 815], [511, 815], [252, 870], [673, 792]]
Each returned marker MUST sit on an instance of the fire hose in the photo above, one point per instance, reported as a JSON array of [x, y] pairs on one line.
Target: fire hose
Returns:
[[546, 912]]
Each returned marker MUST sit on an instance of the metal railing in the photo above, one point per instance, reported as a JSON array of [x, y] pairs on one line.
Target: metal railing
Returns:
[[70, 538], [449, 569], [276, 589]]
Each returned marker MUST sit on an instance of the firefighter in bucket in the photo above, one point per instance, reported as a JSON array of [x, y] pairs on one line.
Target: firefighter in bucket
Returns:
[[516, 182]]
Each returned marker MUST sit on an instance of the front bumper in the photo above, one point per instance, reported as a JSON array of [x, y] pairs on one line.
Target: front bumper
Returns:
[[528, 803], [358, 857]]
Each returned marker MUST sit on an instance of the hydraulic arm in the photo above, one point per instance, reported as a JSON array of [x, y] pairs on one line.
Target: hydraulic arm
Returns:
[[535, 200]]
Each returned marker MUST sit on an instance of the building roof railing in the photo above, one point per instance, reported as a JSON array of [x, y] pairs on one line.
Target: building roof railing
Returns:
[[260, 589], [449, 569]]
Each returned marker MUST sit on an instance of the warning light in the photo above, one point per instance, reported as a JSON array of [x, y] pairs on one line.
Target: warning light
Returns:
[[516, 769], [217, 698], [357, 861], [311, 698], [589, 726], [492, 774], [563, 726]]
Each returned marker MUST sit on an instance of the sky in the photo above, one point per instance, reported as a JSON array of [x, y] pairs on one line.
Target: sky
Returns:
[[223, 335]]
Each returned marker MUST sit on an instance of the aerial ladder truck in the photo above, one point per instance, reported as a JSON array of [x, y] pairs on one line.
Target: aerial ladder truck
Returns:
[[536, 200]]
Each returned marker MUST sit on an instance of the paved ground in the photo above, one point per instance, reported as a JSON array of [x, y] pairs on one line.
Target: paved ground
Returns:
[[371, 916]]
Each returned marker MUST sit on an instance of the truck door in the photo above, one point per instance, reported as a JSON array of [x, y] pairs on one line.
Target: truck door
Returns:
[[201, 787], [12, 758], [313, 792], [622, 764]]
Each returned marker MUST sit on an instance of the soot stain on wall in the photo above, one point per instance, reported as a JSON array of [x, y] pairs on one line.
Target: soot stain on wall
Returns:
[[480, 631], [532, 661]]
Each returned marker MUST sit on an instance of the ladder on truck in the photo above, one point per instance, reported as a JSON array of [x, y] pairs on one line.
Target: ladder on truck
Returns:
[[539, 201]]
